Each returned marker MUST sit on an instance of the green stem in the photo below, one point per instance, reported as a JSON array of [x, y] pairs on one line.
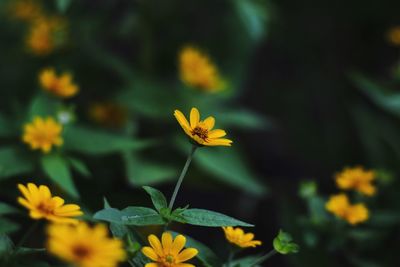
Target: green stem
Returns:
[[181, 177], [26, 235], [231, 257], [264, 258]]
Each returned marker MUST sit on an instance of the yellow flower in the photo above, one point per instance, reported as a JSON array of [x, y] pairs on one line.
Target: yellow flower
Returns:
[[46, 34], [43, 134], [393, 36], [85, 246], [25, 10], [108, 114], [237, 237], [61, 86], [202, 131], [168, 252], [358, 179], [341, 207], [42, 205], [197, 70]]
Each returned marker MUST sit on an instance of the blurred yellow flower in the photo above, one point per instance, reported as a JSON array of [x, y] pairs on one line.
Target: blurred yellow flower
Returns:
[[202, 131], [85, 246], [108, 114], [41, 205], [45, 35], [168, 252], [25, 10], [61, 86], [340, 206], [237, 237], [357, 179], [43, 134], [393, 36], [197, 70]]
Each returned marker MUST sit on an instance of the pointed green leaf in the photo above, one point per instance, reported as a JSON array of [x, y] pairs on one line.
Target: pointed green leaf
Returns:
[[157, 197], [138, 216], [210, 218], [79, 166], [13, 162]]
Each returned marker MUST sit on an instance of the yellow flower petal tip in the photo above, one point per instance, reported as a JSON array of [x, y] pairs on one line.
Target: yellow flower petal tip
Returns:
[[42, 205], [85, 246], [238, 237], [42, 134], [340, 206], [201, 131], [357, 179], [168, 252], [197, 70], [59, 85]]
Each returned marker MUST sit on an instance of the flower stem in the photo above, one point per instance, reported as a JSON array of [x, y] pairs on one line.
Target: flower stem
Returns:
[[264, 258], [27, 235], [182, 176], [231, 257]]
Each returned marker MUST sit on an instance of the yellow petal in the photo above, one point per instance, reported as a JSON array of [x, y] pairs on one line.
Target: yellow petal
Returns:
[[150, 253], [44, 192], [182, 121], [155, 244], [178, 244], [194, 117], [152, 264], [187, 254], [184, 265], [25, 192], [166, 240], [209, 122], [217, 133], [58, 201]]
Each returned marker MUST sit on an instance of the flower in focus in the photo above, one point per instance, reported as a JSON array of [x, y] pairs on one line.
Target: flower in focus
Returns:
[[108, 114], [202, 131], [357, 179], [43, 134], [59, 85], [393, 36], [340, 206], [40, 203], [45, 35], [25, 10], [197, 70], [85, 246], [168, 252], [237, 237]]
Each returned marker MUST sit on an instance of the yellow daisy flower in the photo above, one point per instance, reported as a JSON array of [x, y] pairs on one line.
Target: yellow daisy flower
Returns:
[[197, 70], [25, 10], [85, 246], [202, 131], [340, 206], [358, 179], [43, 134], [61, 86], [393, 36], [239, 238], [168, 252], [42, 205]]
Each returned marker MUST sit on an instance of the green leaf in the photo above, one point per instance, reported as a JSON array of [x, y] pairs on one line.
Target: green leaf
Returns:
[[229, 166], [142, 172], [42, 105], [7, 226], [6, 245], [138, 216], [253, 14], [283, 244], [210, 218], [13, 162], [207, 257], [96, 142], [6, 127], [62, 5], [79, 166], [57, 169], [6, 209], [157, 197]]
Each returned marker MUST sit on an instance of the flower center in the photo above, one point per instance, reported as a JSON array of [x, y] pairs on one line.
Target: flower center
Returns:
[[45, 208], [200, 132], [168, 261], [81, 251]]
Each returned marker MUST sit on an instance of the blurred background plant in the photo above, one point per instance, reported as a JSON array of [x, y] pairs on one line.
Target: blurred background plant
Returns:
[[303, 88]]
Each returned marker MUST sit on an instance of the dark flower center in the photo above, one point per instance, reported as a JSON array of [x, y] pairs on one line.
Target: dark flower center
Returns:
[[81, 251], [200, 132]]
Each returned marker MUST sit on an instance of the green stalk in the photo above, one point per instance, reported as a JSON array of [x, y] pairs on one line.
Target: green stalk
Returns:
[[182, 176], [264, 258]]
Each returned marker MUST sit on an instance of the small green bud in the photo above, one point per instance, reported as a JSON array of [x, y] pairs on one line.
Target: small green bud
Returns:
[[283, 243]]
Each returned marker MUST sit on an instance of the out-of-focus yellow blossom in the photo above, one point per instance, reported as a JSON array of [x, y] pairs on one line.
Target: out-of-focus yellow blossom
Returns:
[[197, 70], [43, 134], [58, 85], [25, 10], [239, 238], [202, 131], [169, 252], [357, 179], [85, 246], [108, 114], [393, 36], [45, 35], [341, 207], [42, 205]]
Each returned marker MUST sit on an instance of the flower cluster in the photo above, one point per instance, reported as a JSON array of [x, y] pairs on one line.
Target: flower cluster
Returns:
[[341, 207], [59, 85]]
